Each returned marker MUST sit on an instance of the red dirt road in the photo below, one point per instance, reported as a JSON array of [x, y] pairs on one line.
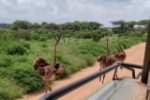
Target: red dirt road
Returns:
[[135, 55]]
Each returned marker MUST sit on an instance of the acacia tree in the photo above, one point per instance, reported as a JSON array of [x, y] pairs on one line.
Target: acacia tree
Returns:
[[120, 26], [130, 25], [35, 26], [142, 23], [94, 25], [22, 24]]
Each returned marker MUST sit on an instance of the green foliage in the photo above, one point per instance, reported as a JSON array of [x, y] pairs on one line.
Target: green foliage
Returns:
[[27, 78], [22, 34], [21, 24], [15, 50], [83, 34], [91, 48], [9, 90], [4, 26], [25, 44], [41, 35], [6, 61], [97, 35], [90, 59]]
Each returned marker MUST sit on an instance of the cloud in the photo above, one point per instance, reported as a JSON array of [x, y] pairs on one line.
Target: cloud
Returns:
[[60, 11]]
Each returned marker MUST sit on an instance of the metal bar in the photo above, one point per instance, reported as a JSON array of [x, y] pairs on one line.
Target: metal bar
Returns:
[[60, 92], [132, 70], [64, 90], [132, 65]]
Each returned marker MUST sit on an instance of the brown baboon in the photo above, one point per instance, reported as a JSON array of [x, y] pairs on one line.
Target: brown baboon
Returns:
[[119, 56], [105, 60], [49, 71]]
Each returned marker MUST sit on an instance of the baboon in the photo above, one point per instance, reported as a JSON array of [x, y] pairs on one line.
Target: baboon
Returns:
[[49, 71], [119, 56], [105, 60]]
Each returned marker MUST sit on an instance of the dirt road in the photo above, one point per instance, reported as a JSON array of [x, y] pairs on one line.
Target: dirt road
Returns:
[[135, 55]]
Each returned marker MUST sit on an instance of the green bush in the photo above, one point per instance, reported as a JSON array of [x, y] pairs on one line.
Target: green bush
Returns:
[[89, 59], [15, 50], [22, 34], [5, 72], [27, 78], [9, 90], [83, 34], [97, 35], [25, 44], [35, 36], [90, 48], [6, 61]]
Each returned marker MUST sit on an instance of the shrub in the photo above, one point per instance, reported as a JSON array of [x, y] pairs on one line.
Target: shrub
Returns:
[[90, 48], [84, 34], [5, 61], [97, 35], [21, 59], [27, 78], [16, 50], [4, 72], [9, 90], [26, 45], [35, 36], [22, 34]]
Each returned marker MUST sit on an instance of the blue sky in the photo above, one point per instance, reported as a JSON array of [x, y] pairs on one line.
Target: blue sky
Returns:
[[60, 11]]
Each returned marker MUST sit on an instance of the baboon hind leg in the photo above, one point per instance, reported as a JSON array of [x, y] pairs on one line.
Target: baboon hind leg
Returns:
[[121, 67], [99, 76], [49, 87], [115, 74], [103, 78], [46, 86]]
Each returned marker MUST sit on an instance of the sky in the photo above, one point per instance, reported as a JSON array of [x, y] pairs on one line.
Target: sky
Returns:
[[61, 11]]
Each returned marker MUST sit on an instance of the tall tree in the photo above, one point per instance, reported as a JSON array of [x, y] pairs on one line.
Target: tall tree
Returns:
[[94, 25], [120, 26], [35, 26], [22, 24], [142, 23]]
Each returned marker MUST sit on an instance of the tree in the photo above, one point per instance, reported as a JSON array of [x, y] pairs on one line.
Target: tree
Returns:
[[142, 23], [77, 26], [22, 24], [4, 26], [94, 25], [35, 26], [44, 25], [120, 26], [130, 24]]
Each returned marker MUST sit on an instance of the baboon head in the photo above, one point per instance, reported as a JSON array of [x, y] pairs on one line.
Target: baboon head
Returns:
[[101, 58], [120, 56], [111, 60], [39, 62], [59, 68]]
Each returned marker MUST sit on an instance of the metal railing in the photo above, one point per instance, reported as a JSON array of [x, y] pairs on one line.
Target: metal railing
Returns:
[[66, 89]]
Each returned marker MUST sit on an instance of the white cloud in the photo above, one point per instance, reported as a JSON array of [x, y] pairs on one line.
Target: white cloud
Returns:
[[60, 11]]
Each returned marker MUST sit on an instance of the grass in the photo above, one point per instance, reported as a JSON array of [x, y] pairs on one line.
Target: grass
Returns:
[[17, 74], [9, 90]]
